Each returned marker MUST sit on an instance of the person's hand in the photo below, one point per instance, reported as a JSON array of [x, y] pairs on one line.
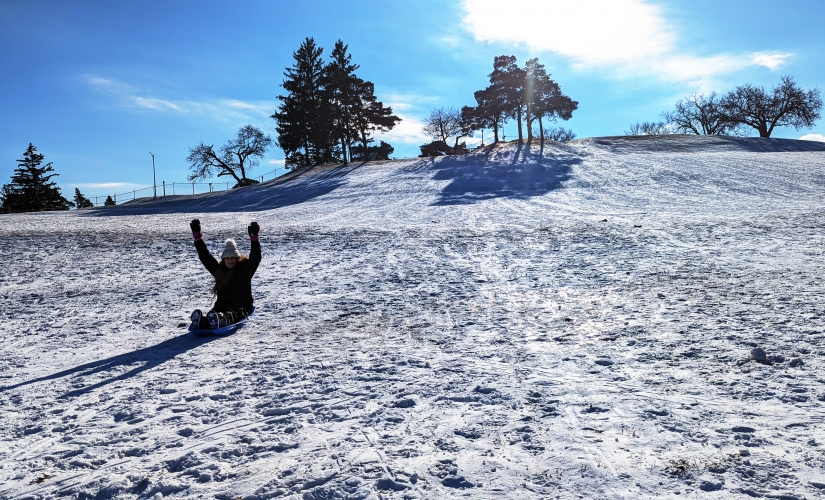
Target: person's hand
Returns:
[[253, 230], [196, 229]]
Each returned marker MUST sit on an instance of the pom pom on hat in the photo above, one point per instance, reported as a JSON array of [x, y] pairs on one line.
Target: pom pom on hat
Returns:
[[230, 249]]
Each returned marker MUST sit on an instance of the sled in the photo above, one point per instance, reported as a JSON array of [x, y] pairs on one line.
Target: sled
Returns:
[[226, 330]]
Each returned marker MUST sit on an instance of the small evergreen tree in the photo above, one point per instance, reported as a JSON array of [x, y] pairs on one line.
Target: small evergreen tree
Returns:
[[109, 202], [81, 201], [31, 188]]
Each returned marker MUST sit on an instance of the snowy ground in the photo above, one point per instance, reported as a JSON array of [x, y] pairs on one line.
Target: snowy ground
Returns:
[[572, 322]]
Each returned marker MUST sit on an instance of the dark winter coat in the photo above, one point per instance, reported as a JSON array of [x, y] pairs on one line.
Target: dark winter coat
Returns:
[[238, 290]]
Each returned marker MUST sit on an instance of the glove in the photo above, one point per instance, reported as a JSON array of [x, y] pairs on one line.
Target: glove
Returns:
[[196, 229], [253, 231]]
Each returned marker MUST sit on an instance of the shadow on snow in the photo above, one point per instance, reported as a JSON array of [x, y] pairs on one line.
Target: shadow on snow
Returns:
[[309, 184], [148, 357], [500, 173]]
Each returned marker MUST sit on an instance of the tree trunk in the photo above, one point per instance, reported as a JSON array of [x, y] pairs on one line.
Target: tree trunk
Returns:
[[529, 118], [541, 132], [518, 118], [364, 139], [344, 149], [233, 174]]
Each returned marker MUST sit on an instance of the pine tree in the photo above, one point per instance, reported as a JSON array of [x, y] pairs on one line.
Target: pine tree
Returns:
[[341, 91], [109, 202], [371, 115], [81, 201], [543, 98], [327, 108], [507, 80], [490, 111], [299, 117], [31, 188]]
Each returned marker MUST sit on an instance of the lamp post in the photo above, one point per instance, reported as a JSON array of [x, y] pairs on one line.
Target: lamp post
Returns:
[[154, 177]]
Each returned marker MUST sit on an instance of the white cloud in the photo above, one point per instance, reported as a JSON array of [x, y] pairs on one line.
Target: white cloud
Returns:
[[104, 185], [408, 131], [451, 40], [770, 61], [129, 96], [406, 106], [592, 32], [158, 104], [813, 137], [277, 162], [404, 101], [631, 37]]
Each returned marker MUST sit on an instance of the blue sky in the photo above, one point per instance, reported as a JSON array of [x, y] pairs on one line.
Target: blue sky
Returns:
[[97, 85]]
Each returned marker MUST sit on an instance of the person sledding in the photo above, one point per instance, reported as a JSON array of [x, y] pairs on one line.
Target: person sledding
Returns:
[[233, 280]]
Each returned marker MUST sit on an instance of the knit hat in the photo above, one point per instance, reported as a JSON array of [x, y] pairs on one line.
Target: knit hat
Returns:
[[231, 249]]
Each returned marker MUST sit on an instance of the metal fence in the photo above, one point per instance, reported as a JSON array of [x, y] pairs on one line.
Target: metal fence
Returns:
[[175, 188]]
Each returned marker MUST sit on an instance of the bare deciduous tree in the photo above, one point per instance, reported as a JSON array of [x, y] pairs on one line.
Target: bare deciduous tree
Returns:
[[557, 134], [649, 128], [700, 115], [234, 158], [444, 123], [786, 105]]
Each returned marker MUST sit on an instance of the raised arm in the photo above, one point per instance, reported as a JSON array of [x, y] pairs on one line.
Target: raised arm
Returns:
[[255, 251], [208, 261]]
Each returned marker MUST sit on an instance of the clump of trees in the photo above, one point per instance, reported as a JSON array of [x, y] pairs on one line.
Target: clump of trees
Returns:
[[650, 128], [746, 107], [329, 113], [701, 115], [81, 201], [527, 95], [31, 188], [558, 134], [235, 158], [442, 124]]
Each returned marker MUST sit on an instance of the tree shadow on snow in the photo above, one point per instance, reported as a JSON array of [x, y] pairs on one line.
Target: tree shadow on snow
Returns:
[[306, 185], [148, 357], [500, 173], [682, 143]]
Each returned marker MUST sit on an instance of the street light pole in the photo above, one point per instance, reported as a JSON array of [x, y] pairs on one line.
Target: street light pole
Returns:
[[154, 177]]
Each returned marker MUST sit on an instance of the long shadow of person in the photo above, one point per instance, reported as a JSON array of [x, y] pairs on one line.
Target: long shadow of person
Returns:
[[150, 357]]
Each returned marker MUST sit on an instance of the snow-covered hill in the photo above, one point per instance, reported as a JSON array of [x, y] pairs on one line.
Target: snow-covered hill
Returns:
[[522, 323]]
